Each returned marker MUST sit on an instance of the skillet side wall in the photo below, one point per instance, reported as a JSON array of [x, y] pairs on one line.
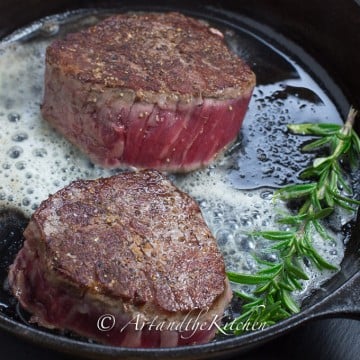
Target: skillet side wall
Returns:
[[326, 29]]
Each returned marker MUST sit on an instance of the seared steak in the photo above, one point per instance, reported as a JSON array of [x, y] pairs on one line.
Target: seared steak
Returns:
[[132, 246], [149, 90]]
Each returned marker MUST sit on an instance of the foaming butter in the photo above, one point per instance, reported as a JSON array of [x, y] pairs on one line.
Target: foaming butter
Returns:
[[233, 216], [35, 161]]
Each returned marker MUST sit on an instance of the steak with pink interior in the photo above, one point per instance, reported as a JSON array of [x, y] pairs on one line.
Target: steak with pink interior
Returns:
[[148, 90], [132, 246]]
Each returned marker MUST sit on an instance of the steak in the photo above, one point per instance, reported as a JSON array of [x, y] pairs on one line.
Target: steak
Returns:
[[132, 247], [147, 90]]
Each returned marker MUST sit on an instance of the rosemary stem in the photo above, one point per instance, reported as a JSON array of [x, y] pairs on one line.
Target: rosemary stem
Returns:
[[349, 124]]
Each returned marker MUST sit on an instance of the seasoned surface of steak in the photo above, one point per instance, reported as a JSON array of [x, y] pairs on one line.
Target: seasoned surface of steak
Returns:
[[157, 90], [133, 246]]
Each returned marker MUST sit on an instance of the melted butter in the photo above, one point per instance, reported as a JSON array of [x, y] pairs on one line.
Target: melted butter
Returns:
[[35, 161]]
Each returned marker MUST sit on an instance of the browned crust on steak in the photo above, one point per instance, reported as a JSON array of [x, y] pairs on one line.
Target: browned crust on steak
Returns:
[[152, 54], [133, 237]]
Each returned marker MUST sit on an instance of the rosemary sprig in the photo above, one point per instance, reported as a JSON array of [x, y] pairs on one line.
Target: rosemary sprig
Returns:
[[327, 187]]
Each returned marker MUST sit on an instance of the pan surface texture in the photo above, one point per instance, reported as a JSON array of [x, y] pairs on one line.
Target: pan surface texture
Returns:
[[313, 44]]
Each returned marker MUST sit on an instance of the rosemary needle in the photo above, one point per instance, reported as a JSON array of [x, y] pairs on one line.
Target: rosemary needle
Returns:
[[326, 188]]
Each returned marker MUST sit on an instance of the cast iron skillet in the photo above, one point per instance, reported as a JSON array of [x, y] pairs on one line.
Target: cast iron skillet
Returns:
[[328, 31]]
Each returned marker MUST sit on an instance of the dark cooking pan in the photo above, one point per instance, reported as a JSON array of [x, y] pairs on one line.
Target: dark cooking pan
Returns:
[[327, 31]]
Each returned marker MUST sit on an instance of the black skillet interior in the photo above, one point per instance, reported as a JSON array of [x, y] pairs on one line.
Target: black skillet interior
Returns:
[[328, 32]]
